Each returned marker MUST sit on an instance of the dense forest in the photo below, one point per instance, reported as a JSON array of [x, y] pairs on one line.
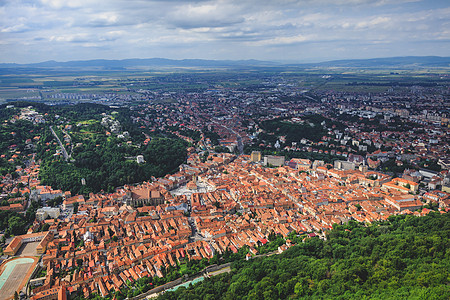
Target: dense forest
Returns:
[[14, 223], [311, 128], [294, 132], [405, 257], [212, 135], [370, 124], [104, 165]]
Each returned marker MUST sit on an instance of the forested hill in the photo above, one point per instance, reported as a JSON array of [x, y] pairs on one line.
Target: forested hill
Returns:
[[102, 144], [406, 257]]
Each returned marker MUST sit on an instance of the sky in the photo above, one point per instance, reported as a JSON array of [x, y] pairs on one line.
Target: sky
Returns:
[[274, 30]]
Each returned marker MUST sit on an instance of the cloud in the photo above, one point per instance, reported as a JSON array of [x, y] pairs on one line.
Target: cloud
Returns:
[[111, 36], [104, 19], [264, 29], [87, 37], [205, 15], [286, 40], [72, 38], [374, 22], [58, 4], [15, 28]]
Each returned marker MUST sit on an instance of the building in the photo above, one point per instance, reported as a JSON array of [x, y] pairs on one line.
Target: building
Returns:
[[300, 164], [403, 202], [401, 185], [140, 159], [18, 241], [255, 156], [56, 293], [272, 160], [363, 168], [47, 193], [356, 159], [317, 163], [144, 196], [446, 188], [69, 203], [373, 163], [43, 213], [344, 165]]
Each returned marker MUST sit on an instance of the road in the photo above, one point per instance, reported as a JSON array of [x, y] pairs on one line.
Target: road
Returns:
[[63, 149], [220, 271], [70, 141], [240, 145]]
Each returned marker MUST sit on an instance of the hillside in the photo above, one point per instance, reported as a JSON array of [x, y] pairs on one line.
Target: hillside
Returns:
[[101, 146], [405, 257]]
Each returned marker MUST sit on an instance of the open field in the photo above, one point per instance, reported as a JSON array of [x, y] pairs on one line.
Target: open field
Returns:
[[58, 87], [26, 94]]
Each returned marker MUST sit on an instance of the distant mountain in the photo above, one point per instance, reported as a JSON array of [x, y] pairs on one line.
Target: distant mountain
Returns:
[[133, 64], [139, 63], [388, 62]]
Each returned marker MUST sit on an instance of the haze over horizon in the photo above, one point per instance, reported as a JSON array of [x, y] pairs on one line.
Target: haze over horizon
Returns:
[[296, 31]]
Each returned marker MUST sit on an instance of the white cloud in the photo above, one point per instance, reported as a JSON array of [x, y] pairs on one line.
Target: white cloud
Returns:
[[15, 28], [48, 29], [284, 40], [72, 38], [103, 19], [374, 22], [58, 4], [218, 14]]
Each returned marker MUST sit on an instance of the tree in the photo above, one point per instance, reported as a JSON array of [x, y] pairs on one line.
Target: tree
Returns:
[[45, 227], [17, 225], [111, 233], [390, 260], [79, 262]]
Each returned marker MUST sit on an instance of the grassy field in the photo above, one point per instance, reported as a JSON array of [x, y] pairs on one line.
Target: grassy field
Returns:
[[18, 93], [88, 122]]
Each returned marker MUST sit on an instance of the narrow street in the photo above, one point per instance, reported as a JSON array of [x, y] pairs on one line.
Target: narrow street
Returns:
[[63, 149]]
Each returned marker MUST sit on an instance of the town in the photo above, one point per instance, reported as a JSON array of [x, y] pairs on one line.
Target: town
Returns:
[[266, 167]]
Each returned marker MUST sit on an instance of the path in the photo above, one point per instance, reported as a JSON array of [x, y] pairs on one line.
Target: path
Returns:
[[63, 149]]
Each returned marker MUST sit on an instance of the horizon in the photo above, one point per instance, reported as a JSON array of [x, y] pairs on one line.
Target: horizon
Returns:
[[294, 31], [278, 62]]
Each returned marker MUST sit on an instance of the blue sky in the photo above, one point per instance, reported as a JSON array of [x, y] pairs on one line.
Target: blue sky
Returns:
[[300, 31]]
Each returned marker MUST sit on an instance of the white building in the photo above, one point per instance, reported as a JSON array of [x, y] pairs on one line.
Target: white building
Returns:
[[43, 213], [140, 159], [88, 236]]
